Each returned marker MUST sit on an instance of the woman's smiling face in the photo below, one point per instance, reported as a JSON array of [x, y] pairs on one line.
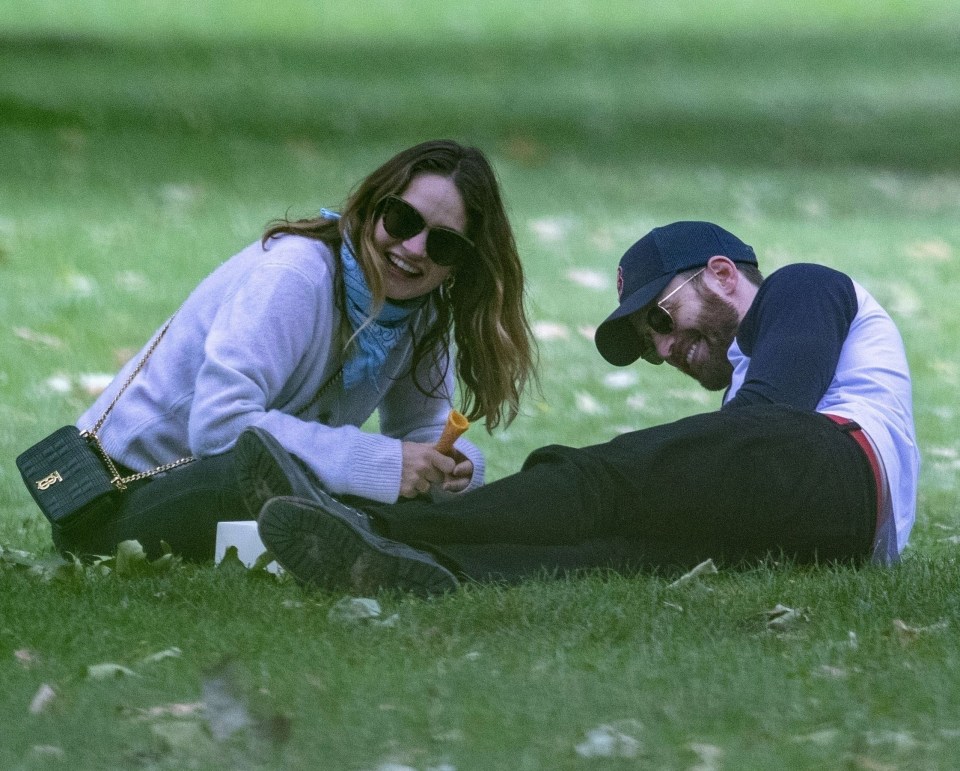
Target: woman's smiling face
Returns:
[[408, 270]]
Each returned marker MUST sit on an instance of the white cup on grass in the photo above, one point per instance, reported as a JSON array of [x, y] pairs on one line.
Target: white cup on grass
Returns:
[[245, 537]]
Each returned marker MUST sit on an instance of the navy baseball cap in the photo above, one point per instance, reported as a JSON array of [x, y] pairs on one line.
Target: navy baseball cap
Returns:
[[649, 265]]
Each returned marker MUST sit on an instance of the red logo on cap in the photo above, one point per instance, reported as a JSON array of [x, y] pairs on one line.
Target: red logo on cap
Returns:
[[619, 282]]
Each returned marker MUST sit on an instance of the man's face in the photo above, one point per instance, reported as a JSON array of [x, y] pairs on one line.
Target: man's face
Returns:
[[704, 325]]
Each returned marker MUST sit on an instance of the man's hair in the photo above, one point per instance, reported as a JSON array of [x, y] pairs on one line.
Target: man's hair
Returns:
[[750, 272]]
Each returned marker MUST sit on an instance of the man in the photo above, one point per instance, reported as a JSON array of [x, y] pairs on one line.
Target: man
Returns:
[[812, 455]]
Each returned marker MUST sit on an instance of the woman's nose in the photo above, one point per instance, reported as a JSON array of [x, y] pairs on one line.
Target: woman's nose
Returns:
[[417, 244]]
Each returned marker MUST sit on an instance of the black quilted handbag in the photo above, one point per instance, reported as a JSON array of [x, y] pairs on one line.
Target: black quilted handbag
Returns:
[[69, 474], [65, 474]]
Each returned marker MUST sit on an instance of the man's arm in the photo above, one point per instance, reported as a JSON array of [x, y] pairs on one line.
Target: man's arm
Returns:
[[792, 336]]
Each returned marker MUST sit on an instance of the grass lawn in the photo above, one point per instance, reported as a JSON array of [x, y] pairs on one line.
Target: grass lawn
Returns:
[[142, 144]]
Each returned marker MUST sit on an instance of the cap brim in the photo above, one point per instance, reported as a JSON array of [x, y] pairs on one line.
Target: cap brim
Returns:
[[615, 338]]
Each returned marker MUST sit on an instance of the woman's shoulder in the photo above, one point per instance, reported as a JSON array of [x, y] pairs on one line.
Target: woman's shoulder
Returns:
[[284, 258], [297, 250]]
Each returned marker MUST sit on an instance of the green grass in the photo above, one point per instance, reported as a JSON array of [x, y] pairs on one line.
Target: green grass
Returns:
[[141, 144]]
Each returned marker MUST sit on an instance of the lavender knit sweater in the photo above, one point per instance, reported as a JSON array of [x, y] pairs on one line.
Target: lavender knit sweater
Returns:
[[252, 346]]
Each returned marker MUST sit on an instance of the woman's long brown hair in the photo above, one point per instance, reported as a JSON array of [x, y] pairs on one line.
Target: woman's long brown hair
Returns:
[[484, 306]]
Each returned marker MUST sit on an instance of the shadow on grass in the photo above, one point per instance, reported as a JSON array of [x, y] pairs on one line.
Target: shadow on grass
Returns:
[[891, 100]]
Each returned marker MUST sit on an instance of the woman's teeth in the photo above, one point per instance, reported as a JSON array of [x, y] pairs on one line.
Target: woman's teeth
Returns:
[[406, 267]]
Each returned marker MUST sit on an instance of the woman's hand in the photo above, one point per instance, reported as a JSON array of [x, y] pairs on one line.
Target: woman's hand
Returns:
[[423, 466], [459, 479]]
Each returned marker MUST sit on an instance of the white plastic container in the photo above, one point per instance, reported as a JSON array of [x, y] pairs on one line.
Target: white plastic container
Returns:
[[245, 537]]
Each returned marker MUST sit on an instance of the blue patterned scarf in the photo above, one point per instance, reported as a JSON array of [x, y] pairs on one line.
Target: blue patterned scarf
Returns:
[[375, 340]]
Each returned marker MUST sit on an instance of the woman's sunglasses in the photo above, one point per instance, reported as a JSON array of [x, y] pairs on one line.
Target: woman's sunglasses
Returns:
[[444, 246]]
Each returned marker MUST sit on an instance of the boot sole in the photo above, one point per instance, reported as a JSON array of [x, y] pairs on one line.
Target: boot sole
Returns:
[[259, 475], [323, 549]]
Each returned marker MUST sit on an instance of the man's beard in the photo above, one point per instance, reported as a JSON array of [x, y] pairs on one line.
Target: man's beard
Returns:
[[716, 325]]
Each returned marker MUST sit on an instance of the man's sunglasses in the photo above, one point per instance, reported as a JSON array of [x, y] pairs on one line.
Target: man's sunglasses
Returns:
[[444, 246], [660, 321], [658, 317]]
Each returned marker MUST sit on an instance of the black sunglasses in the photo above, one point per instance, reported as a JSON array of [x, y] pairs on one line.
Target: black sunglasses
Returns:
[[660, 321], [658, 317], [444, 246]]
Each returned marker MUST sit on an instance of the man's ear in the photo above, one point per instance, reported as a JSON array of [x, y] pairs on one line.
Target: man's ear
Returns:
[[722, 275]]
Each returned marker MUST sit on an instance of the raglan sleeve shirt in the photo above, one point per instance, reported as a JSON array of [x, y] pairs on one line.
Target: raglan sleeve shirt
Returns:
[[789, 342], [814, 339]]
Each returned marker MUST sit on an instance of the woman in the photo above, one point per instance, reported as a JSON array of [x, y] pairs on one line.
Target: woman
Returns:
[[304, 334]]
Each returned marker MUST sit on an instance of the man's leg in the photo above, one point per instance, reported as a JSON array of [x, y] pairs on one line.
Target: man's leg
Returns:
[[735, 484]]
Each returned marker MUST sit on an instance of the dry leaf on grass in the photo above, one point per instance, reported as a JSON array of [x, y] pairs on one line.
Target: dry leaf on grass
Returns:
[[169, 653], [709, 755], [780, 617], [183, 736], [356, 610], [42, 699], [705, 568], [25, 657], [183, 710], [107, 671], [611, 740], [40, 338], [909, 634], [47, 751], [225, 709]]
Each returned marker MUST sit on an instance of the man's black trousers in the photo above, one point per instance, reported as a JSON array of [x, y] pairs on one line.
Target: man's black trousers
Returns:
[[737, 486]]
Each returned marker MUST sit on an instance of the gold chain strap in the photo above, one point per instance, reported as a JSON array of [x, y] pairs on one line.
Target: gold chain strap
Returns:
[[121, 482]]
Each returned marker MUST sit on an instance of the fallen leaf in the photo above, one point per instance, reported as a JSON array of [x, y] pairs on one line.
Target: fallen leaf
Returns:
[[869, 764], [169, 653], [226, 711], [549, 330], [25, 657], [781, 617], [620, 380], [611, 741], [58, 384], [186, 709], [186, 736], [47, 750], [587, 404], [909, 634], [709, 756], [354, 609], [31, 336], [131, 559], [550, 229], [821, 738], [107, 671], [835, 672], [591, 279], [261, 564], [231, 562], [94, 383], [42, 699], [705, 568]]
